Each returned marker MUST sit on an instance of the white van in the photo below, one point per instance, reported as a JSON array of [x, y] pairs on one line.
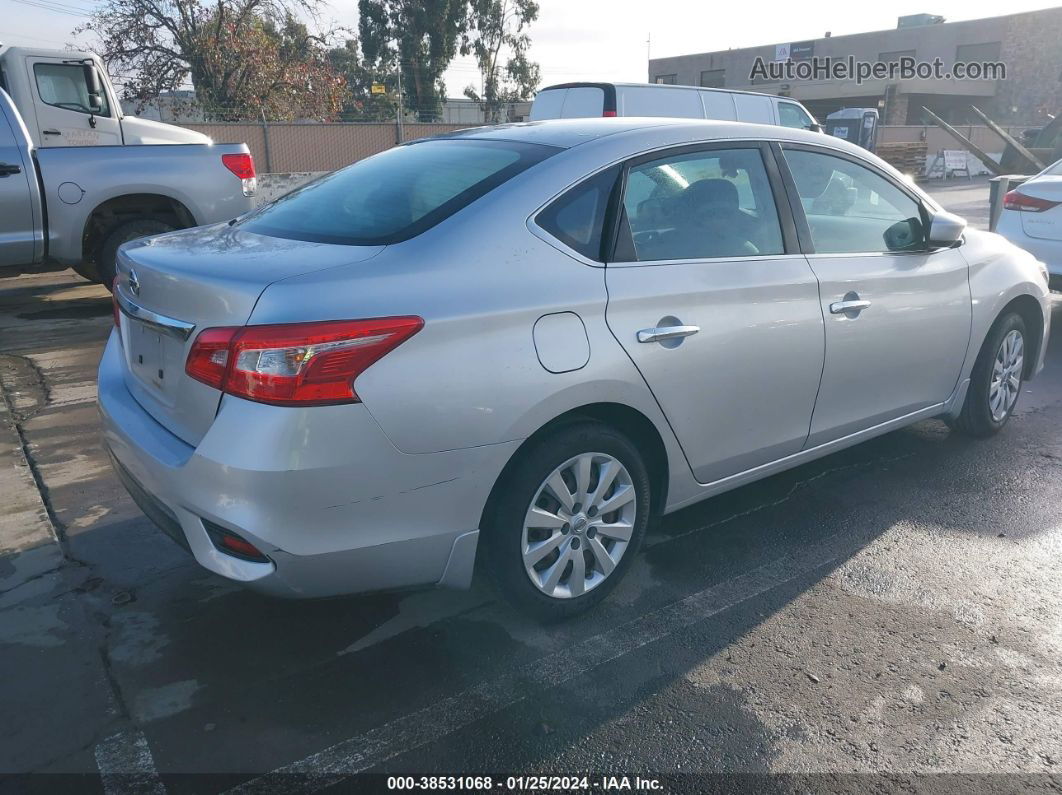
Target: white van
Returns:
[[581, 100]]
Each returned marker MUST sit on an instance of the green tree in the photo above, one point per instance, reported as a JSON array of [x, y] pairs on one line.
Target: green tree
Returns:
[[497, 31], [244, 58], [419, 37], [361, 104]]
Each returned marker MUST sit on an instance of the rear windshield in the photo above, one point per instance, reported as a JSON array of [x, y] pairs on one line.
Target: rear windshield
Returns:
[[397, 194]]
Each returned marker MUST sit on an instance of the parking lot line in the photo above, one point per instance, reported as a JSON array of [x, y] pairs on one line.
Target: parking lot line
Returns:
[[126, 765], [364, 751]]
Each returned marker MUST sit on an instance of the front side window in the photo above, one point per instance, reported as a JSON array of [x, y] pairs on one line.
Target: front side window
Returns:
[[790, 115], [702, 205], [396, 194], [63, 86], [577, 218], [851, 209]]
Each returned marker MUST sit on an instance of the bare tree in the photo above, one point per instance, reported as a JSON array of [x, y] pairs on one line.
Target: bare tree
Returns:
[[244, 58]]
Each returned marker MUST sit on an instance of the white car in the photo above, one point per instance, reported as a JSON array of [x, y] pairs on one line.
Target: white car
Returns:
[[1032, 218]]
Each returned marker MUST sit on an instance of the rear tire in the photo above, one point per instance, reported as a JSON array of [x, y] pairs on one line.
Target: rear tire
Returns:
[[996, 379], [107, 253], [86, 270], [557, 557]]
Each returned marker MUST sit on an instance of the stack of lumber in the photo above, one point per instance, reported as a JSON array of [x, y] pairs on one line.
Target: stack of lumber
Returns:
[[907, 157]]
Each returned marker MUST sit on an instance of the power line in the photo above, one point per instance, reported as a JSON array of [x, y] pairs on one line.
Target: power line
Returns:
[[58, 8]]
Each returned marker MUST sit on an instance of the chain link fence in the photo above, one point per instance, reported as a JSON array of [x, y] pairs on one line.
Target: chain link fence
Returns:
[[283, 147], [286, 147]]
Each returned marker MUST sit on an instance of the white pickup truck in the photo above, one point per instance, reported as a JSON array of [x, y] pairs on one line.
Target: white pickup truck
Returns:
[[66, 99], [75, 205], [73, 189]]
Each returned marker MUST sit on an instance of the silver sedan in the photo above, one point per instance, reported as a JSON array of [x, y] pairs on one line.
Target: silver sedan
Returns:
[[524, 343]]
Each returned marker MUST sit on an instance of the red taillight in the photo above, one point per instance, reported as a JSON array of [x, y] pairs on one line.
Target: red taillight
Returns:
[[242, 165], [608, 114], [1016, 200], [209, 358], [228, 541], [240, 547], [295, 364]]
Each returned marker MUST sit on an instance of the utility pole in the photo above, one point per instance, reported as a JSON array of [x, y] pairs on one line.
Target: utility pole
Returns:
[[649, 55], [401, 105]]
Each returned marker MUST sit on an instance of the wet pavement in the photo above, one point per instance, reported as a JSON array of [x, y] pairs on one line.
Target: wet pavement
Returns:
[[895, 607]]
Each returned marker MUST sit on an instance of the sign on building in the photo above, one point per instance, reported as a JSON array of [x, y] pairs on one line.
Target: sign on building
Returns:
[[794, 51]]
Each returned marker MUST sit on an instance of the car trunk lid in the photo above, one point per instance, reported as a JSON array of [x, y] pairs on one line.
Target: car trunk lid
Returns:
[[1046, 225], [173, 286]]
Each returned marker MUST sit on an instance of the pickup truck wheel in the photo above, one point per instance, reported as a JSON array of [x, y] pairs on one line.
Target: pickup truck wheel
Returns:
[[87, 270], [106, 256]]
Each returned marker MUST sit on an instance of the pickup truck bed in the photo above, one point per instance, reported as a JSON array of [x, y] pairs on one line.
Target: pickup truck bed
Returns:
[[75, 205]]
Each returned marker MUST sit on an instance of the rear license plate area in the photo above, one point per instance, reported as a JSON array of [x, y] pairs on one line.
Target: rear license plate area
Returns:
[[146, 355]]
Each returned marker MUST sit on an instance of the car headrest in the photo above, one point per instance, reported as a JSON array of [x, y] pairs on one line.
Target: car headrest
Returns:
[[713, 193]]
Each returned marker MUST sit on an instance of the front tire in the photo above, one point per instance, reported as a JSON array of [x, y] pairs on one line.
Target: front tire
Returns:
[[996, 380], [567, 520]]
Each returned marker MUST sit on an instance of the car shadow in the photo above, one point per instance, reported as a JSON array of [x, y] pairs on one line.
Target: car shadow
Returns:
[[223, 679]]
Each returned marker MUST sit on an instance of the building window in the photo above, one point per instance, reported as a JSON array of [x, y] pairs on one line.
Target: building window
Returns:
[[667, 80], [713, 78], [895, 56], [970, 53]]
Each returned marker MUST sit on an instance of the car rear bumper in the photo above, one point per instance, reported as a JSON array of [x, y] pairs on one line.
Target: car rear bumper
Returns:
[[1046, 250], [321, 491]]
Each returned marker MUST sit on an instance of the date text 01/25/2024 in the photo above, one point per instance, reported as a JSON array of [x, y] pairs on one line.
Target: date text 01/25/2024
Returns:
[[531, 783]]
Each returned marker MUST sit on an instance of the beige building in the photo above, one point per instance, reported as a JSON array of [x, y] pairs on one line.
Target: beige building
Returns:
[[1027, 44]]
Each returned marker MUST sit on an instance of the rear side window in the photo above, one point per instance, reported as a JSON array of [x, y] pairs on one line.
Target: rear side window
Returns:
[[397, 194], [577, 218], [702, 205]]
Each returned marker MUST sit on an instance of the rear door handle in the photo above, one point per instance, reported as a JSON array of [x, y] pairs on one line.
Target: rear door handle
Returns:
[[848, 306], [7, 169], [661, 333], [51, 132]]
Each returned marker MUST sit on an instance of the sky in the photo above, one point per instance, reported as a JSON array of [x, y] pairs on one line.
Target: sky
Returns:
[[596, 39]]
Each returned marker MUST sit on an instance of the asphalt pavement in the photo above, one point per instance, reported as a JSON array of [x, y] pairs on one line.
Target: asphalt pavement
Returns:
[[894, 609]]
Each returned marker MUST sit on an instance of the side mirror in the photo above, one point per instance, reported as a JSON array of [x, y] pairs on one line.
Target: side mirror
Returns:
[[815, 127], [95, 89], [92, 78], [945, 229]]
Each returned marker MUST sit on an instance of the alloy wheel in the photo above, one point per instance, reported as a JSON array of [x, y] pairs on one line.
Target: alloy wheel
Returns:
[[579, 525], [1005, 385]]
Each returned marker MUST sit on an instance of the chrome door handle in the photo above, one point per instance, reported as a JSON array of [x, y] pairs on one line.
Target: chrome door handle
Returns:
[[661, 333], [841, 307]]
